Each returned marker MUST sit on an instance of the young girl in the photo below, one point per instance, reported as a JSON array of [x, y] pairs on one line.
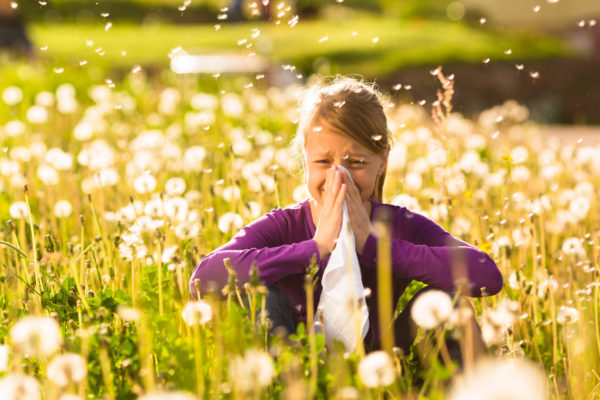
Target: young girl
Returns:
[[343, 123]]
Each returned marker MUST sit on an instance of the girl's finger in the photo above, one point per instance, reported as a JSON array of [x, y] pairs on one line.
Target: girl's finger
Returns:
[[339, 201]]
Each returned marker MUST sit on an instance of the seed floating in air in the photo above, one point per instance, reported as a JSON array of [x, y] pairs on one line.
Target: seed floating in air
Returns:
[[534, 74], [323, 39], [520, 67], [108, 26], [482, 21], [375, 40], [508, 51], [536, 9]]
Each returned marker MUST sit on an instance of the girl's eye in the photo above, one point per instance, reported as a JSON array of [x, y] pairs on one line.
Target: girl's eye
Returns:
[[323, 161], [357, 162]]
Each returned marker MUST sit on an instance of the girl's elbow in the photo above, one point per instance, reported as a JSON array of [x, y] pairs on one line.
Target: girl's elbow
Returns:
[[495, 281]]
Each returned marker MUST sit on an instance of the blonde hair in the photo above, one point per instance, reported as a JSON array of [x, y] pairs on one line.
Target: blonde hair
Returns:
[[351, 107]]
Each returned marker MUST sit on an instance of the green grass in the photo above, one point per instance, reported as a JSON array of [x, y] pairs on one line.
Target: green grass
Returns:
[[401, 43]]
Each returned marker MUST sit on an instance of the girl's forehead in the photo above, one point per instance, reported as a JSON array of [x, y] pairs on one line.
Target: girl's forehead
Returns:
[[331, 143]]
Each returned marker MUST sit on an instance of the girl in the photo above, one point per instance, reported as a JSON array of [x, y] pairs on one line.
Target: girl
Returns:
[[343, 123]]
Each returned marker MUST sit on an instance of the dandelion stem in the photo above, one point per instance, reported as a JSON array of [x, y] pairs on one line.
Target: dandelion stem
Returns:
[[384, 286]]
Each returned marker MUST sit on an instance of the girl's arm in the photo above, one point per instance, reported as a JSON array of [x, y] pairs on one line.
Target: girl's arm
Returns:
[[435, 257], [261, 241]]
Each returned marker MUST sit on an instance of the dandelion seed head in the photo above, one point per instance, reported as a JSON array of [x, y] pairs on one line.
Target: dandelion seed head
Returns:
[[489, 377], [65, 369], [19, 387], [377, 370], [36, 335], [254, 370], [431, 309]]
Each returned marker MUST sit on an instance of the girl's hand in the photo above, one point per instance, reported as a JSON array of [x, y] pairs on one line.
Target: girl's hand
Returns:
[[359, 216], [330, 213]]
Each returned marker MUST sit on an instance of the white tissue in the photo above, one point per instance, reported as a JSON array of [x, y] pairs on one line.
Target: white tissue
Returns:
[[342, 288]]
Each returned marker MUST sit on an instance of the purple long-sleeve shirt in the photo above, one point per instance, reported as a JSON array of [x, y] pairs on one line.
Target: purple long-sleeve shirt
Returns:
[[282, 243]]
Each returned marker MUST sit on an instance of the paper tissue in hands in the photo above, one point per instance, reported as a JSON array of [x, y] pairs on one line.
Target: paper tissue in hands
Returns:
[[342, 303]]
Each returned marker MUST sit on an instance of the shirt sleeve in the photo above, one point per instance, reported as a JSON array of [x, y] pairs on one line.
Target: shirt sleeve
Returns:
[[429, 254], [261, 241]]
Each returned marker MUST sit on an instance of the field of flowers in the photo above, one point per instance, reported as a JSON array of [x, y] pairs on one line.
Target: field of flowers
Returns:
[[111, 191]]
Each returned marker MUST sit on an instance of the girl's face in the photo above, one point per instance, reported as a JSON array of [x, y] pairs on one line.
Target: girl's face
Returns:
[[324, 147]]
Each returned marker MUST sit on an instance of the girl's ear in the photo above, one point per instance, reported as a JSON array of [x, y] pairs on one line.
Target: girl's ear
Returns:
[[384, 161]]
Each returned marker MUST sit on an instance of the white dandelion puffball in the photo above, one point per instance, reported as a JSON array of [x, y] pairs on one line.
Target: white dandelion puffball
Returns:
[[496, 379], [14, 128], [63, 209], [431, 309], [12, 95], [254, 370], [3, 357], [19, 387], [377, 370], [178, 395], [230, 221], [145, 183], [567, 315], [175, 186], [193, 157], [47, 175], [36, 335], [196, 313], [18, 210], [65, 369], [37, 115]]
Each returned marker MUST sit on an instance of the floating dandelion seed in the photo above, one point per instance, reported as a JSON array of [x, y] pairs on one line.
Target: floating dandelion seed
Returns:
[[592, 22], [59, 70], [293, 21], [339, 104], [397, 86], [89, 43], [42, 3], [136, 69], [260, 76], [255, 33], [536, 9], [217, 27], [407, 87], [123, 53], [317, 129], [552, 1], [534, 74], [581, 23], [339, 1], [485, 61], [422, 102], [520, 67], [104, 14], [482, 20], [82, 62], [242, 41], [222, 17], [14, 5], [375, 40], [44, 48], [108, 26], [508, 51], [323, 39]]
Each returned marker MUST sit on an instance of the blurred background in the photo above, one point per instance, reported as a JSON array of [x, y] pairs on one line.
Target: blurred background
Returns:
[[542, 53]]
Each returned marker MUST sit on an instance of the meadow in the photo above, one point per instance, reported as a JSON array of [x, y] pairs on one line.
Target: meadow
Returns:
[[111, 192]]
